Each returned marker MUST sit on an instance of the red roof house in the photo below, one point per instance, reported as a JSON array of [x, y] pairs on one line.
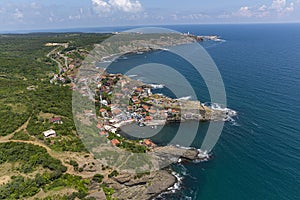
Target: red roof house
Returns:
[[115, 142]]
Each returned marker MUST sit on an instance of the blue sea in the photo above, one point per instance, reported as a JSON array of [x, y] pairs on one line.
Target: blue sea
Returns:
[[258, 156]]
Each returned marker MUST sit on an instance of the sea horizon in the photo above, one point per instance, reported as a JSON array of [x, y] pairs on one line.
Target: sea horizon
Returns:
[[120, 28]]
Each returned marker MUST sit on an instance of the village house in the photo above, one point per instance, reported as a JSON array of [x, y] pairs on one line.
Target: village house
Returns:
[[115, 142], [148, 118], [49, 133], [152, 111], [117, 111], [103, 112], [56, 120], [146, 108], [134, 99], [103, 133], [148, 143], [99, 126], [138, 90]]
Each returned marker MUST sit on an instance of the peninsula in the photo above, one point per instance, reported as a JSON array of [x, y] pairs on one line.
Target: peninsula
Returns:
[[37, 117]]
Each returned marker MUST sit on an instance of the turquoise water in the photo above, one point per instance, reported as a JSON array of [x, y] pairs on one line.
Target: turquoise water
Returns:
[[259, 157]]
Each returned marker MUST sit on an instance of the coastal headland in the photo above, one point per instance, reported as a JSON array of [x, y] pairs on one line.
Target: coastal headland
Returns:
[[120, 100]]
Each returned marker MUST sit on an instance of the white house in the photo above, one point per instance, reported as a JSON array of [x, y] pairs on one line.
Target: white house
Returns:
[[49, 133]]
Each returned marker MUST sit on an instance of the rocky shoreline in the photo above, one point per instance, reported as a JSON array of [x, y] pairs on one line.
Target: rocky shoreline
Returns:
[[146, 186], [144, 108], [149, 185]]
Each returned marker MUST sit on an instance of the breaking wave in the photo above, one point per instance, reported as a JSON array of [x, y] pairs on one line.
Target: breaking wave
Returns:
[[185, 98], [157, 86], [216, 106], [132, 75]]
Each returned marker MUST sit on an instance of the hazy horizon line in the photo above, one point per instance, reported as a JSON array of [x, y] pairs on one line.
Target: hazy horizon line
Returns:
[[69, 29]]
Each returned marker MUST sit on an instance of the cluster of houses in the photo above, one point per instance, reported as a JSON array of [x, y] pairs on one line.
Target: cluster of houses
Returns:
[[52, 133], [122, 101], [58, 78], [131, 102], [68, 61]]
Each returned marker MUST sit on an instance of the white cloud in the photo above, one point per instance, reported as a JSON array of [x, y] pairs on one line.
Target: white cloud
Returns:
[[290, 8], [105, 6], [101, 6], [282, 7], [278, 5], [18, 14], [245, 12], [126, 5], [262, 8]]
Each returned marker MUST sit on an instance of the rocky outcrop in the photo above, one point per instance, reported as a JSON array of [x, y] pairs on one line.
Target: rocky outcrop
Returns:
[[99, 195], [149, 185], [177, 152], [167, 155], [145, 186]]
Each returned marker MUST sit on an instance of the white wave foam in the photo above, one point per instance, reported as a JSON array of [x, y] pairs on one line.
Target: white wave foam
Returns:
[[175, 188], [231, 120], [203, 155], [132, 75], [178, 183], [228, 119], [185, 98], [235, 124], [182, 147], [219, 40], [157, 86], [216, 106], [106, 61]]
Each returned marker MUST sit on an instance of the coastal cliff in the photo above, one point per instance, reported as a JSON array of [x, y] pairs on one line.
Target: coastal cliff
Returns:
[[148, 185], [144, 186]]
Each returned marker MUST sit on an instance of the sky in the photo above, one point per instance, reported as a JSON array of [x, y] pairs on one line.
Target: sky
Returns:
[[58, 14]]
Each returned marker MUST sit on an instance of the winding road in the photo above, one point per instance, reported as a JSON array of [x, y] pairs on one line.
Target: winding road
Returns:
[[60, 67]]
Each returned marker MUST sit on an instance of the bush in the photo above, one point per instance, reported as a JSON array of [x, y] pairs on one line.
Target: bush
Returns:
[[98, 178], [113, 173], [74, 164]]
